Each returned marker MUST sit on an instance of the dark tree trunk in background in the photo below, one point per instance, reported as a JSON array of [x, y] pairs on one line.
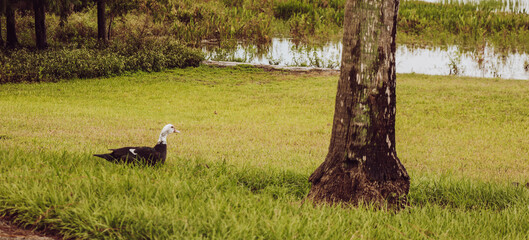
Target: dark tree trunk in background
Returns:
[[2, 11], [11, 34], [362, 164], [64, 10], [101, 20], [1, 39], [109, 32], [40, 24]]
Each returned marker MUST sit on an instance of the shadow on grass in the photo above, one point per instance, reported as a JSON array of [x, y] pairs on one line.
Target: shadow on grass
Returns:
[[466, 194], [444, 190], [278, 183]]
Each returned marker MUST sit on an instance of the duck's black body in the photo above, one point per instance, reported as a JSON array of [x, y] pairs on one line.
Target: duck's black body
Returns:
[[137, 155], [142, 155]]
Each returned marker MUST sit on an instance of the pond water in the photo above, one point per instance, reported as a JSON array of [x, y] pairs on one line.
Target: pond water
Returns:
[[509, 5], [483, 62]]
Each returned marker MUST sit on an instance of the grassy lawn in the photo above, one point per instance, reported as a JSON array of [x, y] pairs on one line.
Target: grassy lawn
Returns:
[[249, 141]]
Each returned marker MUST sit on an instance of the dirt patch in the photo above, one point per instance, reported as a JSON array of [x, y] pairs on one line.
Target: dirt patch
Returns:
[[9, 231]]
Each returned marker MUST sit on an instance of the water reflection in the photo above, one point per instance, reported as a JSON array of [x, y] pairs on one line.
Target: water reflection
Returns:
[[484, 62], [282, 52], [451, 61], [508, 5]]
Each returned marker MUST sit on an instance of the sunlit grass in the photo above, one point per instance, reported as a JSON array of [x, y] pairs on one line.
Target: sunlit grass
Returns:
[[249, 141], [464, 126]]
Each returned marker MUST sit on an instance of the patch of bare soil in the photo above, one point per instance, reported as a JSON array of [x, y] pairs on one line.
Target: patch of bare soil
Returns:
[[9, 231]]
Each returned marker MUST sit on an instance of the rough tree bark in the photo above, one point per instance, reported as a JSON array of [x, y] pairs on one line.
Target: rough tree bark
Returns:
[[362, 165], [11, 34], [40, 24], [101, 21]]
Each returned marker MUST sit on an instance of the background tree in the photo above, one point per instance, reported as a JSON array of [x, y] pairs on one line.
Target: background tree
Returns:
[[40, 23], [101, 21], [118, 8], [2, 11], [80, 5], [63, 8], [362, 163], [11, 34]]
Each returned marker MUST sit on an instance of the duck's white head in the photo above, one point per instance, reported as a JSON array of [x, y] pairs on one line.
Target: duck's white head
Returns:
[[168, 129]]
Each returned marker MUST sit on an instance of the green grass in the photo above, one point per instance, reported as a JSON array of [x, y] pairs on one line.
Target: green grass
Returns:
[[249, 141]]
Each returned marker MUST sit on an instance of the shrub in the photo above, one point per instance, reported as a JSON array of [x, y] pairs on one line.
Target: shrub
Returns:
[[52, 65]]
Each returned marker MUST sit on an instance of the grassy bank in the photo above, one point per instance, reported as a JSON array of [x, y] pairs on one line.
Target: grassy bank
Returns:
[[249, 141]]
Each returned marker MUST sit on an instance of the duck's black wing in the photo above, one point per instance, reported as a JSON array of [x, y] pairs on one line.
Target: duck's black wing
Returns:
[[144, 155]]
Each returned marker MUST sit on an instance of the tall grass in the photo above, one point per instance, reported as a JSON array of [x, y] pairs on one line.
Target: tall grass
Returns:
[[468, 24], [249, 141], [192, 198]]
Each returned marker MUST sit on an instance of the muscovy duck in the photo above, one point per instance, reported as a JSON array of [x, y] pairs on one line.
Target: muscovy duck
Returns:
[[142, 155]]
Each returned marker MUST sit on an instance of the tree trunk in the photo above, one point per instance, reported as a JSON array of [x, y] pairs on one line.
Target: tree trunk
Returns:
[[109, 32], [64, 11], [362, 165], [1, 39], [101, 20], [11, 33], [2, 13], [40, 24]]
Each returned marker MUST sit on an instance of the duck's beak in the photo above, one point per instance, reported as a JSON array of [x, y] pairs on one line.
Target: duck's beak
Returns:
[[176, 131]]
